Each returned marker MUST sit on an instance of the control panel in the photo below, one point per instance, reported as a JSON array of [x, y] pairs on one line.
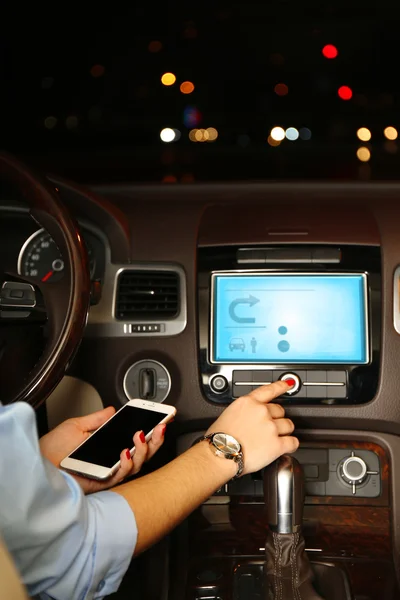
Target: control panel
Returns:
[[312, 314], [309, 384], [327, 472]]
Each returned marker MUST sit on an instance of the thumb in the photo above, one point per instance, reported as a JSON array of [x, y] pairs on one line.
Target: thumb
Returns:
[[96, 419]]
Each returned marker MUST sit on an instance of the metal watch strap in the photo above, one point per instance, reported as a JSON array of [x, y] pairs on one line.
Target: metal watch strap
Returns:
[[239, 460]]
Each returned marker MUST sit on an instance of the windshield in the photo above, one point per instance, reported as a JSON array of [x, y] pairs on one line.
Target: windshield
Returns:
[[204, 92]]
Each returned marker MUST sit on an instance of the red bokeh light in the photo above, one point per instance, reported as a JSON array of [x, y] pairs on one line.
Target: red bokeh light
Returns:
[[345, 93], [281, 89], [330, 51]]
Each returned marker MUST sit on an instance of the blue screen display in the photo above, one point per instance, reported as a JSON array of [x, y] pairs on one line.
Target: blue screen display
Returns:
[[289, 319]]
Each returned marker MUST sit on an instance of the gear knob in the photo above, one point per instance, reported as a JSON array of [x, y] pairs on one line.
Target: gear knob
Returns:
[[284, 494]]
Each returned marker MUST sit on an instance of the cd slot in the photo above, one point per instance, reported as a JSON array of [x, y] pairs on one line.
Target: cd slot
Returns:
[[305, 255]]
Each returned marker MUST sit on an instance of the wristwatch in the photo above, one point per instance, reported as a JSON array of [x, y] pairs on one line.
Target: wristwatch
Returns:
[[225, 446]]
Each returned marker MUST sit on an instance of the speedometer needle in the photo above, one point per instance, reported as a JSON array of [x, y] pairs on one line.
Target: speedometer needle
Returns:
[[47, 276]]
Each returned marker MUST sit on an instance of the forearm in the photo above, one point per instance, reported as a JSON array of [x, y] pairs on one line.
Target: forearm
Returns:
[[161, 500]]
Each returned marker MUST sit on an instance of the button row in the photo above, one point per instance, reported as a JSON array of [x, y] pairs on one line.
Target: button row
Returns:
[[315, 384], [267, 376], [139, 328]]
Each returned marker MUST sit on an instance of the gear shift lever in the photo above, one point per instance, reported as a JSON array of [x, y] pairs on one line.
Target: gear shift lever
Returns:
[[288, 570], [284, 495]]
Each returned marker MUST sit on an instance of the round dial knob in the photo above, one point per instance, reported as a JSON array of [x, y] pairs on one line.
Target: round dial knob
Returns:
[[354, 470], [218, 384]]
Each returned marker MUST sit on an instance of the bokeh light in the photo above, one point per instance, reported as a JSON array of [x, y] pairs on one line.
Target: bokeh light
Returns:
[[50, 122], [345, 93], [187, 87], [191, 116], [364, 134], [199, 135], [305, 133], [292, 134], [330, 51], [167, 135], [281, 89], [71, 122], [97, 71], [390, 133], [155, 46], [363, 154], [203, 135], [273, 142], [212, 134], [169, 179], [168, 79], [278, 134]]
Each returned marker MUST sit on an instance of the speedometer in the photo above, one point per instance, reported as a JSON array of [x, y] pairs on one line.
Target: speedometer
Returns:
[[41, 259]]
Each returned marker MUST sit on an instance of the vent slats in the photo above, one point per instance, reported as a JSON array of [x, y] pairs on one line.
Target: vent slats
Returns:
[[147, 295]]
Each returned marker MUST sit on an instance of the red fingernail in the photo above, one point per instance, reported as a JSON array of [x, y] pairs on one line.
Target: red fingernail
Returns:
[[290, 382], [142, 437], [128, 454], [163, 428]]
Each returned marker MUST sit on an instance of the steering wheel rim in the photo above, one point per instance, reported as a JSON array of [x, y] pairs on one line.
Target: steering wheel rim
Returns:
[[67, 302]]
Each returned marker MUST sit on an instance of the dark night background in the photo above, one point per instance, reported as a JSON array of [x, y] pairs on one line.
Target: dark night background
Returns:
[[82, 93]]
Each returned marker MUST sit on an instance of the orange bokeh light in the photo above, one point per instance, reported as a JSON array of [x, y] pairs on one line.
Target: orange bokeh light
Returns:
[[187, 87]]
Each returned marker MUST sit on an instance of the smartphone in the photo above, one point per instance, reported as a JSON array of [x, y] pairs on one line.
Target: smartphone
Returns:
[[98, 456]]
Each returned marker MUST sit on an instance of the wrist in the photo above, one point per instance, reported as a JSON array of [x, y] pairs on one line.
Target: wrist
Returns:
[[222, 468]]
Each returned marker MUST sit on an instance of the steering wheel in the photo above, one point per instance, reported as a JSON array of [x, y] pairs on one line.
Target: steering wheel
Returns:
[[66, 301]]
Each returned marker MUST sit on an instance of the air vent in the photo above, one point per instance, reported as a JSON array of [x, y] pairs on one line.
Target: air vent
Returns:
[[148, 295]]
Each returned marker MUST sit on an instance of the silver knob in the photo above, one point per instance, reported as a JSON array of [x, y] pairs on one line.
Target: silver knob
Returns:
[[354, 470]]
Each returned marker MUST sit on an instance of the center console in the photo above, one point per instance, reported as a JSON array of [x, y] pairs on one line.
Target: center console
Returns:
[[309, 313]]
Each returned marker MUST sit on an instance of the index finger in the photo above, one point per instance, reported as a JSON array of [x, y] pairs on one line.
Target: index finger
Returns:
[[266, 393]]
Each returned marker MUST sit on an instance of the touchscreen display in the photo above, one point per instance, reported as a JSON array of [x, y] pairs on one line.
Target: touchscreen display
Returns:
[[302, 318], [104, 447]]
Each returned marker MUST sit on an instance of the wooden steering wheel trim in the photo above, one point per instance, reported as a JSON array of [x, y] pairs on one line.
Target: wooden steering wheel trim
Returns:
[[68, 304]]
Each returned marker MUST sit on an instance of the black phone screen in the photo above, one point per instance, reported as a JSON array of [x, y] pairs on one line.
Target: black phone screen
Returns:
[[105, 445]]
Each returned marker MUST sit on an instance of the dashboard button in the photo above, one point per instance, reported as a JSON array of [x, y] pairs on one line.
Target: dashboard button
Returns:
[[316, 391], [316, 376], [242, 376], [241, 390], [218, 384], [296, 386], [261, 377], [336, 376]]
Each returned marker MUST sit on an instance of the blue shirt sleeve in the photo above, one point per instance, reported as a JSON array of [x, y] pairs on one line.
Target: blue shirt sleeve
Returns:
[[64, 544]]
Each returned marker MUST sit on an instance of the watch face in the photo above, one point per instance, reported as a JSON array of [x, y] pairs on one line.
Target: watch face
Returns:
[[226, 444]]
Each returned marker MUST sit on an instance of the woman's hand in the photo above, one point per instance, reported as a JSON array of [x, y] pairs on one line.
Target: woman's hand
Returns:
[[259, 426], [62, 440]]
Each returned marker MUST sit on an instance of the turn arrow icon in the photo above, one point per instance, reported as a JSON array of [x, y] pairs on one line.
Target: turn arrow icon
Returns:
[[251, 301]]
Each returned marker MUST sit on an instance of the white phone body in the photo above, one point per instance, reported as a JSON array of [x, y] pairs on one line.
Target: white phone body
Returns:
[[159, 413]]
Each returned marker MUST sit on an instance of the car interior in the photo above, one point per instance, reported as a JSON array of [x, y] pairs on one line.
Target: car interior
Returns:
[[195, 292]]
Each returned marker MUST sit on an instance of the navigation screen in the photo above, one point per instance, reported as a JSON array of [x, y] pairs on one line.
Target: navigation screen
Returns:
[[289, 319]]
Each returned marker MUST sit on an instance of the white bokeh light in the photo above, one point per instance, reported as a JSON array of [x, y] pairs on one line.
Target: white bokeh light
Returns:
[[278, 134], [167, 135], [292, 134]]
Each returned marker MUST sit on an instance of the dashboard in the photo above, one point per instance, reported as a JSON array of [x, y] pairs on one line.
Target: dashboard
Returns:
[[205, 292], [159, 255], [29, 250]]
